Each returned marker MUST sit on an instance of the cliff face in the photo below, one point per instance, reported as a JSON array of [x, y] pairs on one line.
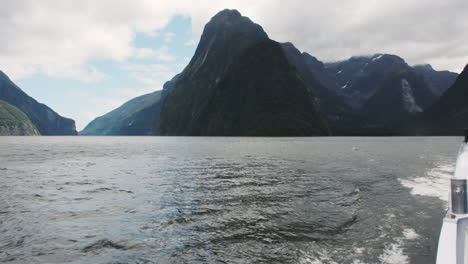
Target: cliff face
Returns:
[[44, 119], [239, 82], [13, 122]]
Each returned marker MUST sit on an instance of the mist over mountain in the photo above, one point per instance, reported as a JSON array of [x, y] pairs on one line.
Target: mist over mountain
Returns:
[[46, 120]]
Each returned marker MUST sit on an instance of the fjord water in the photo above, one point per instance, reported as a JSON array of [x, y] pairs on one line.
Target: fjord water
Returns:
[[222, 200]]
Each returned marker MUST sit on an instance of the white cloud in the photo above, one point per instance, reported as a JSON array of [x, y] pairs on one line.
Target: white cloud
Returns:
[[161, 54], [191, 42], [169, 37], [61, 38], [155, 74], [100, 105]]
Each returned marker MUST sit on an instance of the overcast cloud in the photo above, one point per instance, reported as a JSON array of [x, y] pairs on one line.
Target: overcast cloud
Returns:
[[60, 37]]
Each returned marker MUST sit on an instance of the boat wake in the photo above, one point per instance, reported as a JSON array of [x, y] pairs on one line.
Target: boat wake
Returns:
[[393, 253], [435, 182]]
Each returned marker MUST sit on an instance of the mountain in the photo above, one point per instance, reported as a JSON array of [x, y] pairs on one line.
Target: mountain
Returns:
[[44, 119], [404, 93], [449, 116], [240, 83], [381, 89], [358, 78], [13, 122], [139, 116], [438, 81], [329, 102], [367, 91], [319, 82]]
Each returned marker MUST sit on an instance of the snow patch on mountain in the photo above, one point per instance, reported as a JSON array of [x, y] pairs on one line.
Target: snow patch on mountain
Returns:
[[378, 57]]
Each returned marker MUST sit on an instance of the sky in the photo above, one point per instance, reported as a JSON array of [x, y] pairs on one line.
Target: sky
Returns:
[[85, 58]]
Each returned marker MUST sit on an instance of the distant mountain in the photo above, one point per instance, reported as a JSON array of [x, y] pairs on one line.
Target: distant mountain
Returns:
[[358, 78], [367, 91], [449, 116], [13, 122], [438, 81], [403, 94], [239, 82], [382, 89], [139, 116], [135, 117], [44, 119]]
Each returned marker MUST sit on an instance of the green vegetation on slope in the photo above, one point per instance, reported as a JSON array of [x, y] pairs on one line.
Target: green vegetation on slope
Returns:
[[14, 122]]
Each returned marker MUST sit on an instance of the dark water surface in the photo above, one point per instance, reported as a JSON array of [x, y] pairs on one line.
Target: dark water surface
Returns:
[[222, 200]]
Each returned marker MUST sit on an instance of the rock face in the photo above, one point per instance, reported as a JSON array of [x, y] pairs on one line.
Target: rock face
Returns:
[[139, 116], [44, 119], [13, 122], [240, 83]]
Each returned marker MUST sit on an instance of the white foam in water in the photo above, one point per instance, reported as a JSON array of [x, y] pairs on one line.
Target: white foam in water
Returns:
[[323, 257], [311, 260], [410, 234], [393, 253], [436, 182]]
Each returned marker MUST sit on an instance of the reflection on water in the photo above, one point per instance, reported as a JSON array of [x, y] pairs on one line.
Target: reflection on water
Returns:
[[226, 200]]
